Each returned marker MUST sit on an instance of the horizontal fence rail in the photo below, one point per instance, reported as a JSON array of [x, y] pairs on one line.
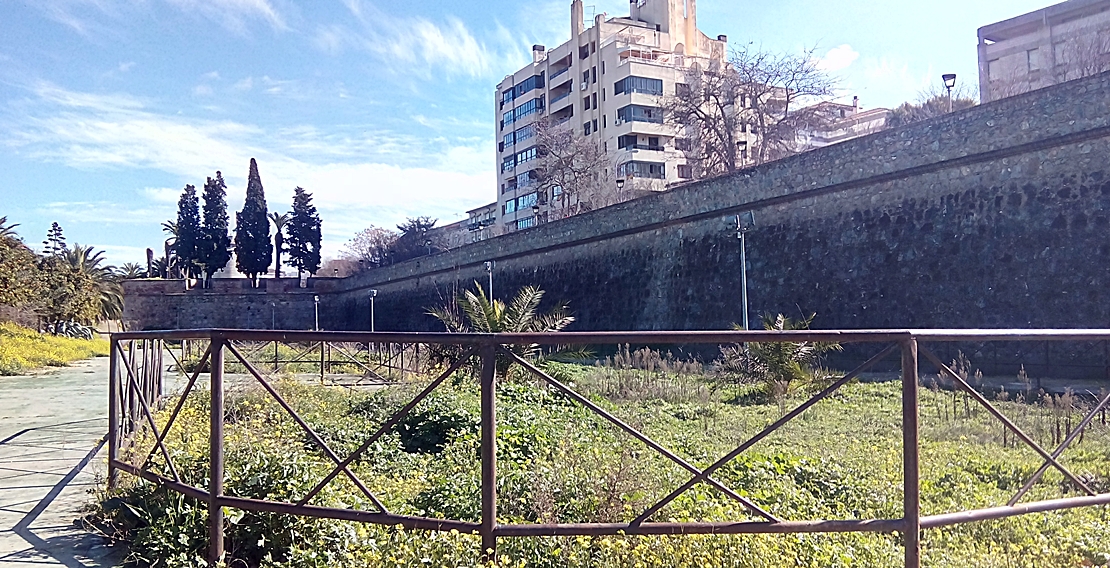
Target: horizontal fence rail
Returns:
[[138, 382]]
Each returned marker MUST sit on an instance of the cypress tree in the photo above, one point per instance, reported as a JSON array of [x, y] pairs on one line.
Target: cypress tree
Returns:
[[303, 234], [214, 249], [253, 250], [187, 244]]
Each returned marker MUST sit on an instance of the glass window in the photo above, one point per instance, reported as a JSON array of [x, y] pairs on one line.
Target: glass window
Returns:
[[510, 206], [526, 223], [654, 170], [527, 155], [526, 201], [638, 85], [508, 164], [640, 113], [531, 107], [507, 118]]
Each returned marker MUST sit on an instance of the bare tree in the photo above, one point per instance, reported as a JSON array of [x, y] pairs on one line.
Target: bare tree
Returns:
[[753, 104], [573, 170], [369, 246], [1085, 55]]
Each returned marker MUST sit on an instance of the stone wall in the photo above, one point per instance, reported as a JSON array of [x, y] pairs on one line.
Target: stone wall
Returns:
[[995, 216]]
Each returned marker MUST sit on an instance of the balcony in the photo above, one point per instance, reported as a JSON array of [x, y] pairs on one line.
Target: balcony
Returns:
[[643, 147], [557, 73], [556, 98]]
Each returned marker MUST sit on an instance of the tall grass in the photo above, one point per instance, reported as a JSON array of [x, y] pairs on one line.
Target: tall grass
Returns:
[[23, 350]]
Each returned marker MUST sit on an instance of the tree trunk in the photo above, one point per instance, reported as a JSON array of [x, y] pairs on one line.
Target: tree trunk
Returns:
[[277, 253]]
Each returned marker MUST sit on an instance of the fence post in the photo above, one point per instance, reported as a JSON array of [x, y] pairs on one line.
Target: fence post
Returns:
[[113, 414], [489, 453], [216, 455], [911, 487]]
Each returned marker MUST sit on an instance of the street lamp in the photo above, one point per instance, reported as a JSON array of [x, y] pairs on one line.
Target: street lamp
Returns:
[[744, 223], [949, 83], [742, 149], [536, 214], [620, 184], [316, 303], [428, 245], [489, 271], [273, 315], [373, 294]]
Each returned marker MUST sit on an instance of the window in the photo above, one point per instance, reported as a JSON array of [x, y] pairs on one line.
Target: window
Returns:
[[531, 107], [507, 118], [508, 140], [524, 133], [583, 52], [508, 164], [603, 117], [595, 125], [586, 128], [527, 155], [994, 69], [681, 89], [602, 67], [586, 76], [593, 47], [510, 206], [654, 170], [639, 85], [682, 144], [525, 223], [586, 103], [594, 97], [1033, 59], [527, 85], [602, 94], [684, 172], [507, 96], [639, 113], [593, 74], [526, 201]]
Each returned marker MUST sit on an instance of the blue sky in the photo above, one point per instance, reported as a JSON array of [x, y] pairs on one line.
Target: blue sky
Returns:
[[383, 110]]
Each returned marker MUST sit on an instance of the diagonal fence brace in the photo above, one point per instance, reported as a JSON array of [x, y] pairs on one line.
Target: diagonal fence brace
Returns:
[[1005, 421], [393, 420], [180, 402], [760, 436], [1060, 450], [308, 429], [133, 383], [639, 436]]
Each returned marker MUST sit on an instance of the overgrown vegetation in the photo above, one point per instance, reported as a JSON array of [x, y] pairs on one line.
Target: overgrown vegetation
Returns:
[[22, 349], [560, 463]]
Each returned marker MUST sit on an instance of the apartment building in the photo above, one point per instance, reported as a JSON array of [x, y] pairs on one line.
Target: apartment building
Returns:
[[606, 84], [1058, 43], [838, 122]]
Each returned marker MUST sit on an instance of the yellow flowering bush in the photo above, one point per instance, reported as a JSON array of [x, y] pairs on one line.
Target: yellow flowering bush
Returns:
[[22, 349]]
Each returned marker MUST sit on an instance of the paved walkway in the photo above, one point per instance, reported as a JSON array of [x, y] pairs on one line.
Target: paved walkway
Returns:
[[52, 453]]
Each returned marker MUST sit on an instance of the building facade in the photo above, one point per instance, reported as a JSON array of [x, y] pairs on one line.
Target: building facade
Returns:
[[1059, 43], [837, 122], [606, 84]]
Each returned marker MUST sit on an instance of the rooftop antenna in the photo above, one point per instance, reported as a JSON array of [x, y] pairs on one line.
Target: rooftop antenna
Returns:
[[592, 11]]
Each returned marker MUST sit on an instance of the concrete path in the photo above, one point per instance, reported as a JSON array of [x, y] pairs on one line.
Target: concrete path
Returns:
[[52, 454]]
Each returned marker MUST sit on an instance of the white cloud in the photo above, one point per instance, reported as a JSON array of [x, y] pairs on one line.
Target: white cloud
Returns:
[[125, 67], [358, 178], [202, 90], [838, 59], [244, 84], [212, 75], [233, 14]]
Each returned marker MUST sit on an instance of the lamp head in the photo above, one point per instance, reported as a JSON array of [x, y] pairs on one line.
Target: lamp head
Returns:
[[620, 183], [373, 293], [949, 80], [316, 299]]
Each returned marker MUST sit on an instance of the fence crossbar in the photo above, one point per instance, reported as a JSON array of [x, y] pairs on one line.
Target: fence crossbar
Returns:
[[638, 435], [1059, 450], [183, 488], [390, 423], [304, 425], [766, 432], [724, 527], [181, 401], [1005, 421], [380, 518], [353, 359], [134, 387]]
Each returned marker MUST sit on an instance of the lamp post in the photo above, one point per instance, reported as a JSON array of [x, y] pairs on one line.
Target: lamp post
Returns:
[[316, 304], [536, 214], [744, 223], [742, 149], [273, 315], [620, 184], [949, 83], [489, 271], [373, 294]]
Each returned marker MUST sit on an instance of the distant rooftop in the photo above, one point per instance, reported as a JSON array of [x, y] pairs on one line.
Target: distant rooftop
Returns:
[[1050, 16]]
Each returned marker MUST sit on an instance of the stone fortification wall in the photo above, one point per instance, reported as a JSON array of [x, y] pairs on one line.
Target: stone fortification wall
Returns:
[[995, 216]]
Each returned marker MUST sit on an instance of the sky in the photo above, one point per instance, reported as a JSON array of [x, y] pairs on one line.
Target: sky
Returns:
[[381, 110]]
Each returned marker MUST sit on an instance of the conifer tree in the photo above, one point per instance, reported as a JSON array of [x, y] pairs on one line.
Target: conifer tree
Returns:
[[214, 248], [253, 250], [55, 243], [303, 234], [187, 244]]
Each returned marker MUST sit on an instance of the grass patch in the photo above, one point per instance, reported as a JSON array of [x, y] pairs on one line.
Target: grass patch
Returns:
[[560, 463], [23, 350]]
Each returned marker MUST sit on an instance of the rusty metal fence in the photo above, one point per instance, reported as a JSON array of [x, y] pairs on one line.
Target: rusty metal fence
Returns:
[[137, 383]]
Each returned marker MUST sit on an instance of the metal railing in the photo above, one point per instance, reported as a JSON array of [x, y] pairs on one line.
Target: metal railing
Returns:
[[137, 384]]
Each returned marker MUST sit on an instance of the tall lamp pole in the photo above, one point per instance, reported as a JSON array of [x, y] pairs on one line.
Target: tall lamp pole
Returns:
[[949, 83], [744, 223], [316, 304], [489, 271], [373, 294]]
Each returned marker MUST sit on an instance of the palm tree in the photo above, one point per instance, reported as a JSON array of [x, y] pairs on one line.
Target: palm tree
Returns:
[[6, 230], [779, 367], [88, 261], [279, 220], [473, 312], [130, 271], [170, 228]]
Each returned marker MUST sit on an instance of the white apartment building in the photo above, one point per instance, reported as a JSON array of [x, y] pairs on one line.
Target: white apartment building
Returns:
[[607, 82], [838, 122], [1058, 43]]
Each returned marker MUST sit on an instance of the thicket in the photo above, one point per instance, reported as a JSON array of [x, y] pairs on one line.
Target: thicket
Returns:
[[560, 463], [22, 349]]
